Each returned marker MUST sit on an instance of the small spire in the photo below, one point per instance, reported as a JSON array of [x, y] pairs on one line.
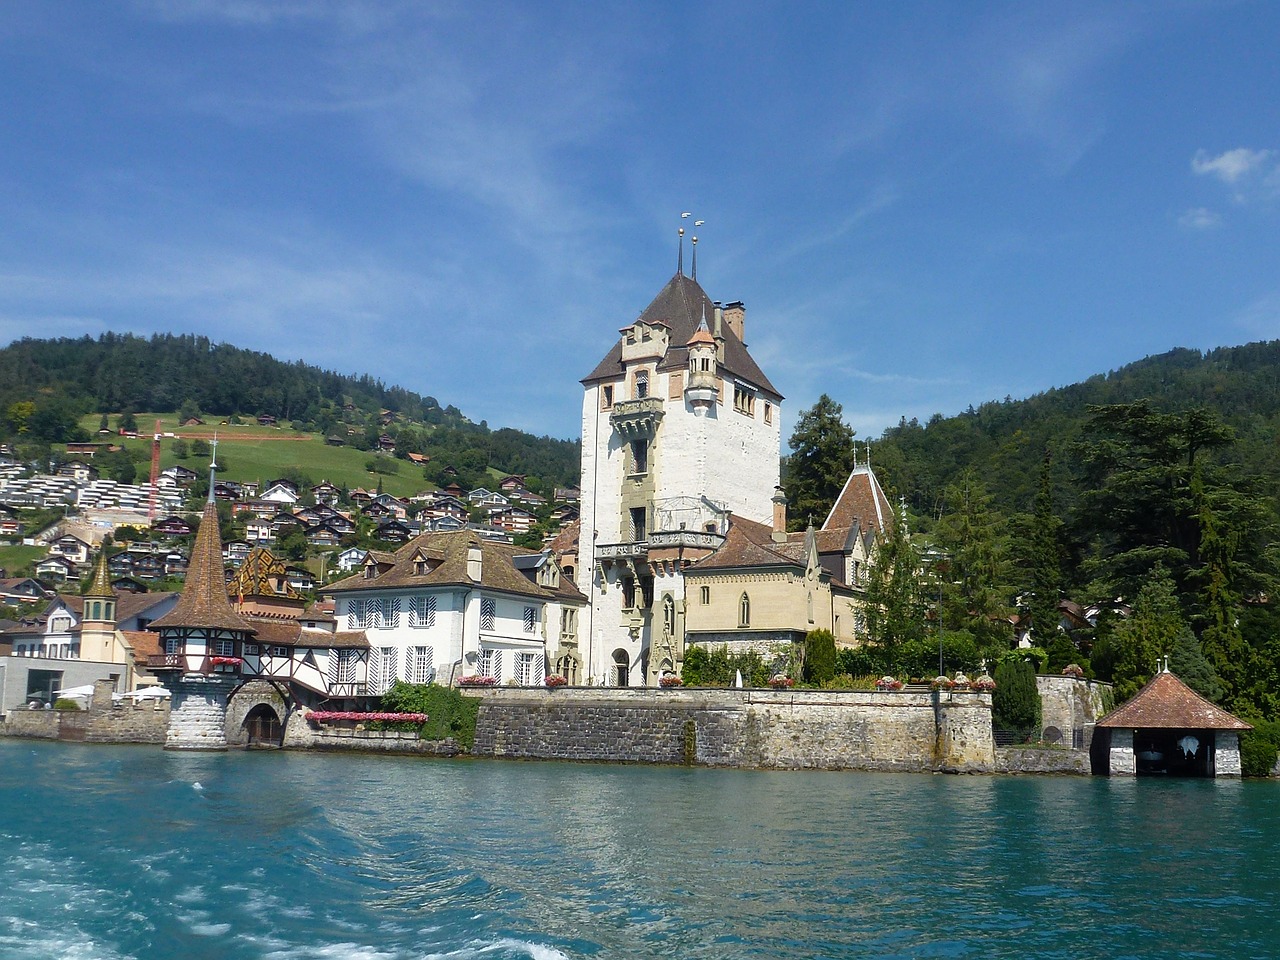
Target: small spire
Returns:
[[101, 585], [213, 464], [680, 257], [695, 257]]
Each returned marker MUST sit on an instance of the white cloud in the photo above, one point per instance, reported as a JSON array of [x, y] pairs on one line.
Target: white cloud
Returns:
[[1262, 317], [1230, 167], [1200, 218]]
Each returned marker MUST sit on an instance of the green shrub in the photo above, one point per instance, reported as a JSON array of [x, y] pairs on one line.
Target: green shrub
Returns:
[[66, 704], [819, 657], [449, 712], [1015, 703], [1259, 747], [717, 667]]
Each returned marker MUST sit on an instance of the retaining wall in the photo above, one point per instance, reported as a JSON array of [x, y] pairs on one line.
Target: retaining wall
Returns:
[[103, 722], [914, 730]]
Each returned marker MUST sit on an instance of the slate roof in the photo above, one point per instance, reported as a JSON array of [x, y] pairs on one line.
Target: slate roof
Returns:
[[204, 601], [498, 569], [1166, 703], [750, 544], [681, 305]]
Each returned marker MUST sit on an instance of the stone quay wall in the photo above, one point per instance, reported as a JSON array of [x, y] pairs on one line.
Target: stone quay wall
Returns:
[[198, 718], [913, 730], [103, 722], [301, 734]]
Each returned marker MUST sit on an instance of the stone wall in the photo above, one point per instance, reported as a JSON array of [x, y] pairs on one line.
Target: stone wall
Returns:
[[103, 722], [1067, 705], [1041, 760], [250, 695], [198, 717], [300, 734], [798, 729]]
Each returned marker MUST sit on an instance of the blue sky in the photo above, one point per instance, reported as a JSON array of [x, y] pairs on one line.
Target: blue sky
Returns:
[[923, 205]]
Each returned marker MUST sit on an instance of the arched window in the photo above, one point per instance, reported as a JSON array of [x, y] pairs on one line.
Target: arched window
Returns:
[[621, 668], [642, 384], [668, 616], [744, 611]]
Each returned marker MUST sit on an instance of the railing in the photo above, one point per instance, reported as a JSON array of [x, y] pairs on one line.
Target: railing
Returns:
[[622, 551], [635, 418], [167, 661], [685, 538]]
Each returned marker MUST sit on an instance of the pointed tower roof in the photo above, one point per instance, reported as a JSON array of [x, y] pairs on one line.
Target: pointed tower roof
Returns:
[[100, 588], [680, 305], [1166, 703], [701, 335], [861, 503], [204, 601]]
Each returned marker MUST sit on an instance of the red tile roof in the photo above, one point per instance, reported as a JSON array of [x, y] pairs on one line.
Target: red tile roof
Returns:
[[861, 503], [1167, 703]]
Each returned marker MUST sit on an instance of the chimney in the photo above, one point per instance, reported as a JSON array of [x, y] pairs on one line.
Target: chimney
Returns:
[[718, 332], [474, 565], [735, 315], [779, 515]]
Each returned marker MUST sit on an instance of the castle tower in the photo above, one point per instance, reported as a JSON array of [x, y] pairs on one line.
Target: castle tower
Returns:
[[203, 639], [680, 429], [98, 625]]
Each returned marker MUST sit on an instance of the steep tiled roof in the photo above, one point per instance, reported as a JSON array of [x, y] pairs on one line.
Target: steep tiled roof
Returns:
[[204, 601], [257, 574], [681, 306], [290, 633], [861, 502], [498, 570], [748, 544], [567, 539], [101, 586], [1168, 703]]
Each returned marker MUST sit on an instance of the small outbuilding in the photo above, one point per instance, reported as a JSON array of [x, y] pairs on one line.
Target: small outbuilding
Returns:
[[1168, 729]]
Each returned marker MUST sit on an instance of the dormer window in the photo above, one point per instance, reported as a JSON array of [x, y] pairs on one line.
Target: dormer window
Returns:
[[370, 571]]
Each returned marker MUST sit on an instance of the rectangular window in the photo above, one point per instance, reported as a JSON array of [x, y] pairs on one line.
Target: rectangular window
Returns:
[[489, 664], [172, 645], [488, 613], [768, 412], [642, 385], [639, 456], [628, 585], [383, 672], [529, 669], [250, 649], [224, 648], [421, 664], [606, 397], [280, 651], [422, 611], [744, 401], [342, 666], [705, 595], [638, 528], [530, 619], [675, 384]]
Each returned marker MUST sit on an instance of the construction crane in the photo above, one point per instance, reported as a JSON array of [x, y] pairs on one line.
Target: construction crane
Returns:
[[155, 474]]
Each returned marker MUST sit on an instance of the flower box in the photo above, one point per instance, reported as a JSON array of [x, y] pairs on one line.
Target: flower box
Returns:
[[555, 680], [781, 683], [323, 716], [225, 661], [943, 683], [983, 684], [477, 681], [888, 683], [670, 680]]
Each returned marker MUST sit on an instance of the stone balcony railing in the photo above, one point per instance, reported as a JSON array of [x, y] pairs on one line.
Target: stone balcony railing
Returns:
[[636, 418], [636, 549]]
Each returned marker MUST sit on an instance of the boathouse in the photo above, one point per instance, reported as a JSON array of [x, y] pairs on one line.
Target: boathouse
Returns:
[[1168, 729]]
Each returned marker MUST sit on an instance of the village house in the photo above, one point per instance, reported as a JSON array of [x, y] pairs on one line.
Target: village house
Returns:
[[455, 604]]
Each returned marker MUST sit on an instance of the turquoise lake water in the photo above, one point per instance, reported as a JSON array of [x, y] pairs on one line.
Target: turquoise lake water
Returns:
[[131, 852]]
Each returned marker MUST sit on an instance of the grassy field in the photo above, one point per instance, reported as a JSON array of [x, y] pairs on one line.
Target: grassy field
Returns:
[[258, 453], [15, 558]]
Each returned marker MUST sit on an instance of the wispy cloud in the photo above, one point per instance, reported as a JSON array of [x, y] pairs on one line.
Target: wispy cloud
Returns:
[[1251, 174], [1200, 218], [1261, 317]]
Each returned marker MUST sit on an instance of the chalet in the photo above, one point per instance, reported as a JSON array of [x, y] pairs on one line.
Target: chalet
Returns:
[[386, 444], [78, 470], [527, 497], [567, 495], [148, 566], [11, 529], [386, 417], [120, 564], [334, 440], [421, 459], [72, 548], [377, 511], [326, 493], [397, 507], [564, 514], [444, 523], [301, 579], [283, 524], [258, 531], [446, 506], [193, 422], [235, 551], [281, 492], [267, 420], [393, 531], [227, 490], [322, 534], [515, 481], [182, 476], [173, 526], [516, 520], [15, 590], [482, 496], [175, 563], [444, 606], [455, 490], [360, 497], [350, 558], [86, 449], [128, 584]]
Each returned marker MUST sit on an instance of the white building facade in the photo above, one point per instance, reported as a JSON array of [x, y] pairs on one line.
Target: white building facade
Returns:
[[680, 429]]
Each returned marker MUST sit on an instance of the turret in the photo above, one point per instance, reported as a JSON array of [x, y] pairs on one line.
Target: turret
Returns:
[[703, 387]]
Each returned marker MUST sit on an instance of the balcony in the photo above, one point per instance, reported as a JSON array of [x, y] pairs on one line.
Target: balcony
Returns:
[[636, 418], [635, 550], [696, 539]]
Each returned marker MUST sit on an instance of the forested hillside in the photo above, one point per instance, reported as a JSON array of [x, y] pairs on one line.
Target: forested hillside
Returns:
[[48, 386], [1130, 517]]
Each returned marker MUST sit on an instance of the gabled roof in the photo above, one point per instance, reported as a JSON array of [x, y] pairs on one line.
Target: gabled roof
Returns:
[[861, 503], [748, 544], [1167, 703], [497, 567], [681, 305], [204, 601]]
